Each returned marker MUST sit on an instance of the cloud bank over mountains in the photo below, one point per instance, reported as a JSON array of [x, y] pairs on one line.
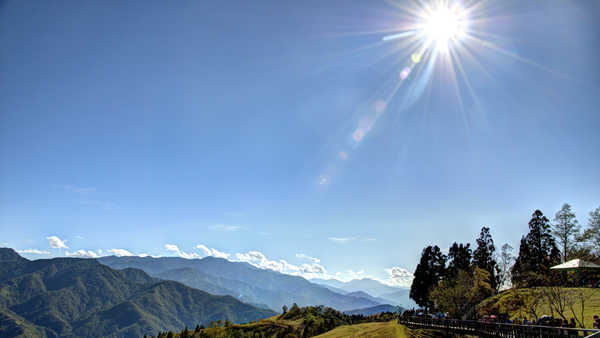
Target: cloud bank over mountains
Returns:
[[395, 276]]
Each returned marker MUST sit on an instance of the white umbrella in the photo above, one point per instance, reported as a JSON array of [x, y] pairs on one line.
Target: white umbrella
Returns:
[[576, 264]]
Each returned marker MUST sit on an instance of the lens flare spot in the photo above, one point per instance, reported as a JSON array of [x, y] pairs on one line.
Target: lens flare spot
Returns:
[[416, 57], [404, 73], [358, 135], [380, 106], [343, 155], [323, 179]]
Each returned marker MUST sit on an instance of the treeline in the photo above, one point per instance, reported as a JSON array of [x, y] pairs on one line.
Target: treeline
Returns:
[[296, 322], [456, 281]]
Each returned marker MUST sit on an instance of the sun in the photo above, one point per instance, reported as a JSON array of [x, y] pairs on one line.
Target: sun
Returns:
[[444, 25]]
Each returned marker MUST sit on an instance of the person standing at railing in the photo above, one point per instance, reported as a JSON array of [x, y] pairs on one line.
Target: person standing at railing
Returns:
[[595, 323]]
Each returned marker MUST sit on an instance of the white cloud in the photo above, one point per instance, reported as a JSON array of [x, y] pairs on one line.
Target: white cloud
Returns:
[[212, 252], [313, 259], [57, 243], [323, 179], [342, 240], [225, 227], [180, 253], [313, 268], [34, 252], [205, 250], [121, 252], [259, 260], [79, 237], [398, 276], [84, 254]]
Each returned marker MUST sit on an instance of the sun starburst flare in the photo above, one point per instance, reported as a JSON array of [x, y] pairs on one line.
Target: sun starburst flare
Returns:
[[442, 38]]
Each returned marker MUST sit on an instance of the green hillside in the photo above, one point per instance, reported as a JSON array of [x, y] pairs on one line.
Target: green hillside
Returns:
[[297, 322], [389, 329], [532, 302], [81, 297]]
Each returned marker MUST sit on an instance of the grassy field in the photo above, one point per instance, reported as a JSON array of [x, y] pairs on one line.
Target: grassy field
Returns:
[[389, 329], [520, 303]]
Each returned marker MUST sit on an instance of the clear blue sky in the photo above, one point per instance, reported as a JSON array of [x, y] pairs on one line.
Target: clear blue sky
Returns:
[[233, 124]]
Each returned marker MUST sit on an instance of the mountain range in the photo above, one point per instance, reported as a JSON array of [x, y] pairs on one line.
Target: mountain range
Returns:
[[247, 283], [381, 293], [74, 297], [375, 310]]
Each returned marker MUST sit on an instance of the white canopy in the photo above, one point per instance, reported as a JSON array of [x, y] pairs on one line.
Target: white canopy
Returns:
[[576, 264]]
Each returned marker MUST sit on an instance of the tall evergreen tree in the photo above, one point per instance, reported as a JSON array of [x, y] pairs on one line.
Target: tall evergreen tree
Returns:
[[537, 253], [566, 229], [484, 256], [459, 258], [429, 271]]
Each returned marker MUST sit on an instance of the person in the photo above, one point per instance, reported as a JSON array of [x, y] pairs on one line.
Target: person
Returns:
[[595, 323], [572, 323]]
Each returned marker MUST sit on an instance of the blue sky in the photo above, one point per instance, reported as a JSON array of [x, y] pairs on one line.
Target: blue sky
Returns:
[[274, 127]]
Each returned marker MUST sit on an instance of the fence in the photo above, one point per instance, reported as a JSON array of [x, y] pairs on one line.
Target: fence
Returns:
[[485, 329]]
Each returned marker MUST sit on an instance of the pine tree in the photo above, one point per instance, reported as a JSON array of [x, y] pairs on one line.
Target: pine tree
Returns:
[[484, 256], [537, 253], [459, 258], [430, 270]]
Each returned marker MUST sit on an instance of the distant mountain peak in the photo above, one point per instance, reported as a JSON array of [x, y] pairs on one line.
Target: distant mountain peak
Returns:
[[10, 255]]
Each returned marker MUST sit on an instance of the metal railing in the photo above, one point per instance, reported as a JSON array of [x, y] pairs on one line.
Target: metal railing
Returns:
[[486, 329]]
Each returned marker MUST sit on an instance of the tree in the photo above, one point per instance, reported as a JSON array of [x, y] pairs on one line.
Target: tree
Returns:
[[284, 308], [185, 333], [459, 258], [484, 256], [429, 271], [537, 253], [566, 229], [592, 233], [506, 261], [459, 295]]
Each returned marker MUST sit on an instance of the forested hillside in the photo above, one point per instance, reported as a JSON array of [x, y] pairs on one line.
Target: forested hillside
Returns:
[[80, 297]]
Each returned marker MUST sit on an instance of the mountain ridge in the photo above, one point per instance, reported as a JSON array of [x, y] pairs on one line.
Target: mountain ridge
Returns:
[[81, 297], [249, 283]]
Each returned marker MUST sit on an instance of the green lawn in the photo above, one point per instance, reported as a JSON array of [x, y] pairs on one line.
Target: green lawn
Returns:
[[518, 302], [389, 329]]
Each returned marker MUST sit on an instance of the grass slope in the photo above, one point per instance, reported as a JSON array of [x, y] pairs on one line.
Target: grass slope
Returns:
[[389, 329], [516, 302]]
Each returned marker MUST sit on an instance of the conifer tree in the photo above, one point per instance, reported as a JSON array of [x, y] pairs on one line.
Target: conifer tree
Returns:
[[484, 256], [537, 253], [459, 258], [430, 270]]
